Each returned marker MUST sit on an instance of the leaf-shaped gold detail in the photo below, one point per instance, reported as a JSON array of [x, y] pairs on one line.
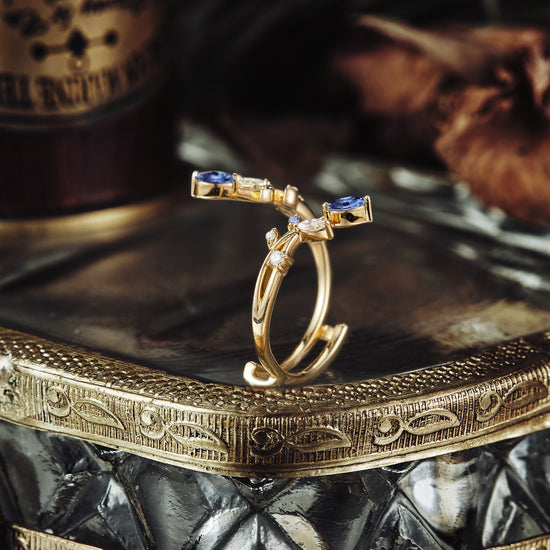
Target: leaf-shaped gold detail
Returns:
[[95, 412], [197, 436], [522, 394], [267, 442], [318, 439], [425, 423], [432, 421]]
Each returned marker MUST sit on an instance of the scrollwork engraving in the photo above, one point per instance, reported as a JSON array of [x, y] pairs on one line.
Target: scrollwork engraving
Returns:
[[521, 395], [235, 430], [267, 442], [428, 422], [187, 433], [90, 410], [57, 402], [151, 424]]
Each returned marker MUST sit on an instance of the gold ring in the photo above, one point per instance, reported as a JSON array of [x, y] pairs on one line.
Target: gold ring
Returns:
[[225, 186], [345, 212]]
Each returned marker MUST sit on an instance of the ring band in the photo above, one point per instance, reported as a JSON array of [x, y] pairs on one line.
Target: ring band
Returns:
[[216, 185], [344, 212]]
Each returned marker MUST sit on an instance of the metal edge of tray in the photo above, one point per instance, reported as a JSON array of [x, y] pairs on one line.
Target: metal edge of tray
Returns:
[[497, 394]]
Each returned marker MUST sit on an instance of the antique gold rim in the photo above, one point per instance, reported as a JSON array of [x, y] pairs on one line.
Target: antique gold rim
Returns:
[[537, 543], [276, 432], [22, 538]]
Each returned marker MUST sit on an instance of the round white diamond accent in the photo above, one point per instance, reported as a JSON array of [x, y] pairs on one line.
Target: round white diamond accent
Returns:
[[317, 224], [270, 235], [276, 258]]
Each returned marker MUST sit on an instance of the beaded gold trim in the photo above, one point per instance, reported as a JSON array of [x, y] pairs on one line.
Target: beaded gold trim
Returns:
[[275, 432], [538, 543], [27, 539]]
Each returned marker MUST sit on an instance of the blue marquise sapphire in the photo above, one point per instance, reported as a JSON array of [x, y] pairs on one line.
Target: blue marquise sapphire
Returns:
[[346, 203], [215, 177]]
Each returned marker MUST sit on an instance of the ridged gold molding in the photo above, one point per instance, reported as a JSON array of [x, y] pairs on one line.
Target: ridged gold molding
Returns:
[[275, 432], [538, 543], [27, 539]]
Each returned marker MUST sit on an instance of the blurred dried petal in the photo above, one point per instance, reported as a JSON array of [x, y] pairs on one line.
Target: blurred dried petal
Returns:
[[484, 93], [400, 69], [501, 154], [382, 86]]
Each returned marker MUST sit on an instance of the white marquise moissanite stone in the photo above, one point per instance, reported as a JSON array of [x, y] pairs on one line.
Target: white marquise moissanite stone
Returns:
[[252, 184], [312, 225], [276, 258]]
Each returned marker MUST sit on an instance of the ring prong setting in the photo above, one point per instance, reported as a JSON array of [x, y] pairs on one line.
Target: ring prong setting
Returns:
[[271, 237], [348, 211], [316, 229]]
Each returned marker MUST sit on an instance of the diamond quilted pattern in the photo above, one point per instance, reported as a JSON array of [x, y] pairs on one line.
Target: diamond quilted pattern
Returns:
[[470, 500]]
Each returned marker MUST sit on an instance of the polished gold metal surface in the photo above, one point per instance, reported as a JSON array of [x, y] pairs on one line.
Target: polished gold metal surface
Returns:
[[255, 190], [22, 538], [268, 372], [276, 432], [538, 543], [68, 58], [349, 217]]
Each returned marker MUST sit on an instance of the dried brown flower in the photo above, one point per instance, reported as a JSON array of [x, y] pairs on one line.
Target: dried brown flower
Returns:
[[484, 93]]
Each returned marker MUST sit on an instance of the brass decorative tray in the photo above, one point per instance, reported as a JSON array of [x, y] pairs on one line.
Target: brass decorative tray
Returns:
[[123, 343], [306, 431]]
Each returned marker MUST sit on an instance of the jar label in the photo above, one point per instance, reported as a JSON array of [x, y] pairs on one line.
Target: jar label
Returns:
[[66, 57]]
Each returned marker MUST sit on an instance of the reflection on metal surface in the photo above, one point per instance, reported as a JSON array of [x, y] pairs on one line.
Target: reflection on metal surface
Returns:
[[277, 432], [538, 543], [28, 539], [174, 293], [109, 221]]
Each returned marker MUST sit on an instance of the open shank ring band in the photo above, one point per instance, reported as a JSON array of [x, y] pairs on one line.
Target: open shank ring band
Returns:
[[268, 372], [215, 185]]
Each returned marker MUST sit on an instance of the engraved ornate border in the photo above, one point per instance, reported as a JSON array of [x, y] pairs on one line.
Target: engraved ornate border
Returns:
[[27, 539], [538, 543], [290, 432]]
